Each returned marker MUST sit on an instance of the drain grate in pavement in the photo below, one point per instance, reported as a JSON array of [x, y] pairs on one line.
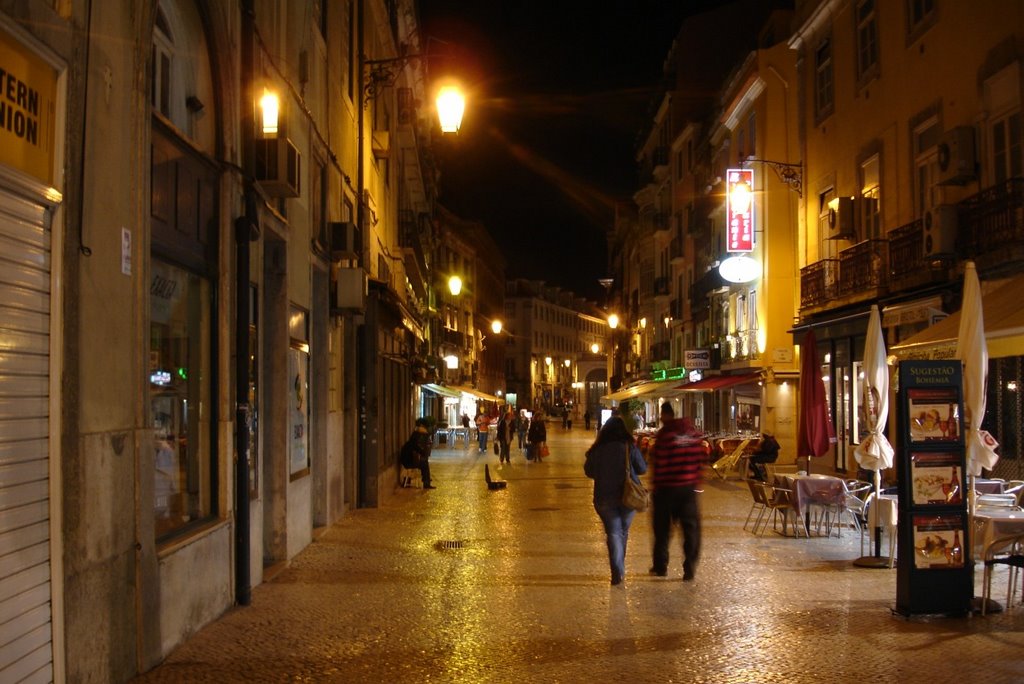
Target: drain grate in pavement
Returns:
[[450, 545]]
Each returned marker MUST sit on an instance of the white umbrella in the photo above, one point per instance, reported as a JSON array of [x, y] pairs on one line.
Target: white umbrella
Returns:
[[972, 350], [874, 451]]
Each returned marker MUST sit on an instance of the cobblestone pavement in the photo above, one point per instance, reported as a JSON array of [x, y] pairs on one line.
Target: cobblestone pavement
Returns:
[[462, 584]]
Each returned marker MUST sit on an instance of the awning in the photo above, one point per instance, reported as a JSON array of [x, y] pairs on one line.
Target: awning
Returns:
[[1004, 327], [440, 390], [928, 310], [642, 389], [474, 393], [849, 325], [717, 382]]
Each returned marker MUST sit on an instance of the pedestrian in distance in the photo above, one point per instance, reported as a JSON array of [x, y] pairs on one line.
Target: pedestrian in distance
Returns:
[[606, 466], [586, 419], [416, 453], [482, 423], [537, 437], [522, 426], [678, 454], [506, 430]]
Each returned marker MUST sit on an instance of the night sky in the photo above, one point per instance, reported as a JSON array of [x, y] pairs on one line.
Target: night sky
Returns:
[[557, 98]]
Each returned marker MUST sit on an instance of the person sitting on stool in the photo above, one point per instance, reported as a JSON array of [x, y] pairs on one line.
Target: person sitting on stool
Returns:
[[416, 453], [767, 452]]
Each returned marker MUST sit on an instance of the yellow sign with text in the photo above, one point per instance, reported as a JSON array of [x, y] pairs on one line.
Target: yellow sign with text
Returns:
[[28, 90]]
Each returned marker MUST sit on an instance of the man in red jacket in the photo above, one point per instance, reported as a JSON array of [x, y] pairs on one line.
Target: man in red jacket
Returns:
[[678, 455]]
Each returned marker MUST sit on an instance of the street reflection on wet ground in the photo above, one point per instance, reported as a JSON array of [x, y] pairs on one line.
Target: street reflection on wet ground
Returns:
[[464, 584]]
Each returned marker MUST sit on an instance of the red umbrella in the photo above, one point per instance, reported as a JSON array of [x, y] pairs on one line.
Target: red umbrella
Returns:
[[815, 434]]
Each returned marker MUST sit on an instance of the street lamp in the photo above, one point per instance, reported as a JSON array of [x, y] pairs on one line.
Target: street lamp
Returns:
[[451, 104], [496, 326], [455, 285], [594, 348], [613, 321]]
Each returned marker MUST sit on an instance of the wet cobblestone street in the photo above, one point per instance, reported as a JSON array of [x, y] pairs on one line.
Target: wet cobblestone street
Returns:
[[462, 584]]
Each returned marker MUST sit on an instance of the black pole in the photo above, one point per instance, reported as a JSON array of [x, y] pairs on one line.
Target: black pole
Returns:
[[244, 232]]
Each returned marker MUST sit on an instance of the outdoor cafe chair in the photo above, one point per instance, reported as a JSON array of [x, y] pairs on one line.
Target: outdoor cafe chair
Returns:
[[780, 502], [997, 500], [1015, 487], [760, 504], [1008, 551]]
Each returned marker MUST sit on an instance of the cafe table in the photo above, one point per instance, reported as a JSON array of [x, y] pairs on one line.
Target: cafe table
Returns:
[[995, 522], [986, 486], [813, 490]]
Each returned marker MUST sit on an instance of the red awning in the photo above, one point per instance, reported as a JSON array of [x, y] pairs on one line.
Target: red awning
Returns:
[[717, 382]]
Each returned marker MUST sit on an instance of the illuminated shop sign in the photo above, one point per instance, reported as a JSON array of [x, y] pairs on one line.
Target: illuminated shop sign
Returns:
[[739, 207]]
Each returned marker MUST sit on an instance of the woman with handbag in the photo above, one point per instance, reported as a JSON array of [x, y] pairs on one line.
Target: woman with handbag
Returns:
[[537, 437], [612, 456]]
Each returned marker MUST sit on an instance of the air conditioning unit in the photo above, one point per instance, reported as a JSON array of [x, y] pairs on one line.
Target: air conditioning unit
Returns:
[[957, 163], [350, 289], [346, 240], [277, 167], [939, 234], [841, 220]]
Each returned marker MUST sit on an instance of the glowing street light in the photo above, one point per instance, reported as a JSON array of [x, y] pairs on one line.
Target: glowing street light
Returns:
[[451, 104], [613, 321], [496, 326], [455, 285], [594, 348]]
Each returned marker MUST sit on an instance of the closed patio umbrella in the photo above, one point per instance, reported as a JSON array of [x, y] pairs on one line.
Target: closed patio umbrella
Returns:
[[874, 451], [972, 350], [814, 433]]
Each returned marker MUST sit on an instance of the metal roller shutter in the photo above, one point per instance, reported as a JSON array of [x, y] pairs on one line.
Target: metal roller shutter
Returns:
[[25, 609]]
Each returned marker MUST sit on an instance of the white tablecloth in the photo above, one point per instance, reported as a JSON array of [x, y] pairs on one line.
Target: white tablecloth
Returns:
[[992, 523]]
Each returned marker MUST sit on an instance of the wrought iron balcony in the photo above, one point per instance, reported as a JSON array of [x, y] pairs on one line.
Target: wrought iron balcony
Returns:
[[739, 346], [454, 337], [863, 267], [819, 283], [675, 250], [992, 225], [661, 286]]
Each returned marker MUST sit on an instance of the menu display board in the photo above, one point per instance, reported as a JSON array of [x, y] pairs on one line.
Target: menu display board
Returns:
[[934, 573], [934, 415], [937, 541], [936, 478]]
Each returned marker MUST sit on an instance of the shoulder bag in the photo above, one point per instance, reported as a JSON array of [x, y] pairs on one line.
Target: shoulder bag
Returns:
[[634, 495]]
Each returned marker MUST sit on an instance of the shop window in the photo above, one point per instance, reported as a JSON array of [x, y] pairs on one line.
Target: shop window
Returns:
[[180, 396]]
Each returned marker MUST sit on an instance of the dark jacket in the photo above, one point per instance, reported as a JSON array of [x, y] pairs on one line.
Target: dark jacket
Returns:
[[678, 455], [538, 431], [415, 449], [606, 466]]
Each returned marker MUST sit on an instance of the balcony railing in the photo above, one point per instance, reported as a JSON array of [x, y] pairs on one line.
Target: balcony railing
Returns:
[[906, 252], [740, 346], [449, 336], [819, 282], [863, 267], [992, 221]]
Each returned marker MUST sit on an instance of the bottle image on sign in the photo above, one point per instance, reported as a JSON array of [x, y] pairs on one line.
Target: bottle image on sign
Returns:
[[952, 488]]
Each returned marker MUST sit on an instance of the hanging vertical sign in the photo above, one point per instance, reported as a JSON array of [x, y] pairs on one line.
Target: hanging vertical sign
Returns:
[[739, 209]]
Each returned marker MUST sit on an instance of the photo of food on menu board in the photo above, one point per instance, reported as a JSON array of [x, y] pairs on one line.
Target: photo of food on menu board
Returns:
[[934, 415], [936, 479], [937, 541]]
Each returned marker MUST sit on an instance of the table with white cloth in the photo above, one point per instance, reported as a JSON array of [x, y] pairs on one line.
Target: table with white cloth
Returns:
[[992, 523], [810, 490]]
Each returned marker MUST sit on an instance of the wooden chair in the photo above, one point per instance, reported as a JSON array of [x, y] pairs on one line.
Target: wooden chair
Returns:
[[760, 504]]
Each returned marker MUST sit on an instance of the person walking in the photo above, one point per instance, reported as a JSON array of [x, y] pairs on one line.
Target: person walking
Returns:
[[586, 419], [607, 460], [522, 425], [678, 454], [482, 423], [506, 429], [537, 437]]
